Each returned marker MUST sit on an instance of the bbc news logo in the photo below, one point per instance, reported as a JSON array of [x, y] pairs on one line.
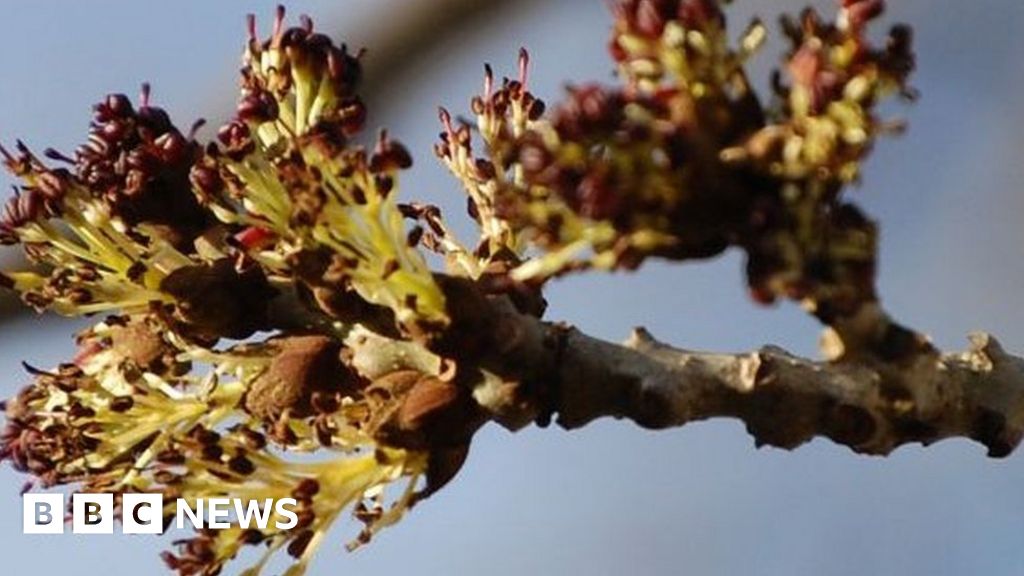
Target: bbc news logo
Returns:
[[143, 513]]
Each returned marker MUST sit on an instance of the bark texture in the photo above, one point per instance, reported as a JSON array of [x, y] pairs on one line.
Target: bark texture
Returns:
[[869, 405]]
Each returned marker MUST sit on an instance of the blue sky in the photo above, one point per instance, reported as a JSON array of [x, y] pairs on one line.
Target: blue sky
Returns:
[[612, 498]]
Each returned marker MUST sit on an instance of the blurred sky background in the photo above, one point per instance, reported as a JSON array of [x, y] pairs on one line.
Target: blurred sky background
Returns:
[[612, 498]]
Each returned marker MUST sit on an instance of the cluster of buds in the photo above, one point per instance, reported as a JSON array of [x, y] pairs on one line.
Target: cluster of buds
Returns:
[[121, 230], [310, 207], [805, 241], [825, 121], [617, 174], [134, 165], [681, 43], [141, 410], [138, 162], [503, 114], [191, 245], [683, 160]]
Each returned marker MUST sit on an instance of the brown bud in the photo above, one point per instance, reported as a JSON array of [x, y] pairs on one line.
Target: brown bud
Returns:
[[419, 411], [140, 343], [427, 397], [304, 367]]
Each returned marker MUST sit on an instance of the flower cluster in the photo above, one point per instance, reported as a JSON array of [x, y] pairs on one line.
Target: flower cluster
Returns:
[[683, 160], [681, 44], [312, 208], [119, 229], [193, 247], [825, 124], [616, 174], [268, 299], [806, 241], [504, 113], [132, 414]]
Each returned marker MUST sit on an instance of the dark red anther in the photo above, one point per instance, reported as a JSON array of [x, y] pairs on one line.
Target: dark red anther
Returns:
[[485, 169], [251, 536], [699, 14], [257, 106], [196, 126], [144, 94], [352, 116], [241, 465], [141, 160], [478, 106], [278, 31], [299, 544], [206, 179], [121, 404], [535, 109], [446, 123], [650, 17], [97, 145], [415, 235], [860, 12], [319, 44], [152, 118], [384, 184], [234, 135], [344, 67], [389, 155], [170, 560], [488, 82], [306, 489], [524, 67], [24, 207], [250, 28], [53, 183], [171, 147], [114, 106], [114, 130]]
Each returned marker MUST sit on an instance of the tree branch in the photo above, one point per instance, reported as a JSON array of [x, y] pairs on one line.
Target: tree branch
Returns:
[[870, 401], [870, 406]]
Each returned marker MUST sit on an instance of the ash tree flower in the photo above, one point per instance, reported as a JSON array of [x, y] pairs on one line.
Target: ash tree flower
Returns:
[[267, 297], [189, 246]]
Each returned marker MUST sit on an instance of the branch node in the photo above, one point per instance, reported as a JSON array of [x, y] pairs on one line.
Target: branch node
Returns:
[[985, 350], [641, 339], [751, 373]]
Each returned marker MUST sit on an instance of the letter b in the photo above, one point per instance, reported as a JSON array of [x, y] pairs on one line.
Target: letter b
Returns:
[[92, 513], [43, 513]]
